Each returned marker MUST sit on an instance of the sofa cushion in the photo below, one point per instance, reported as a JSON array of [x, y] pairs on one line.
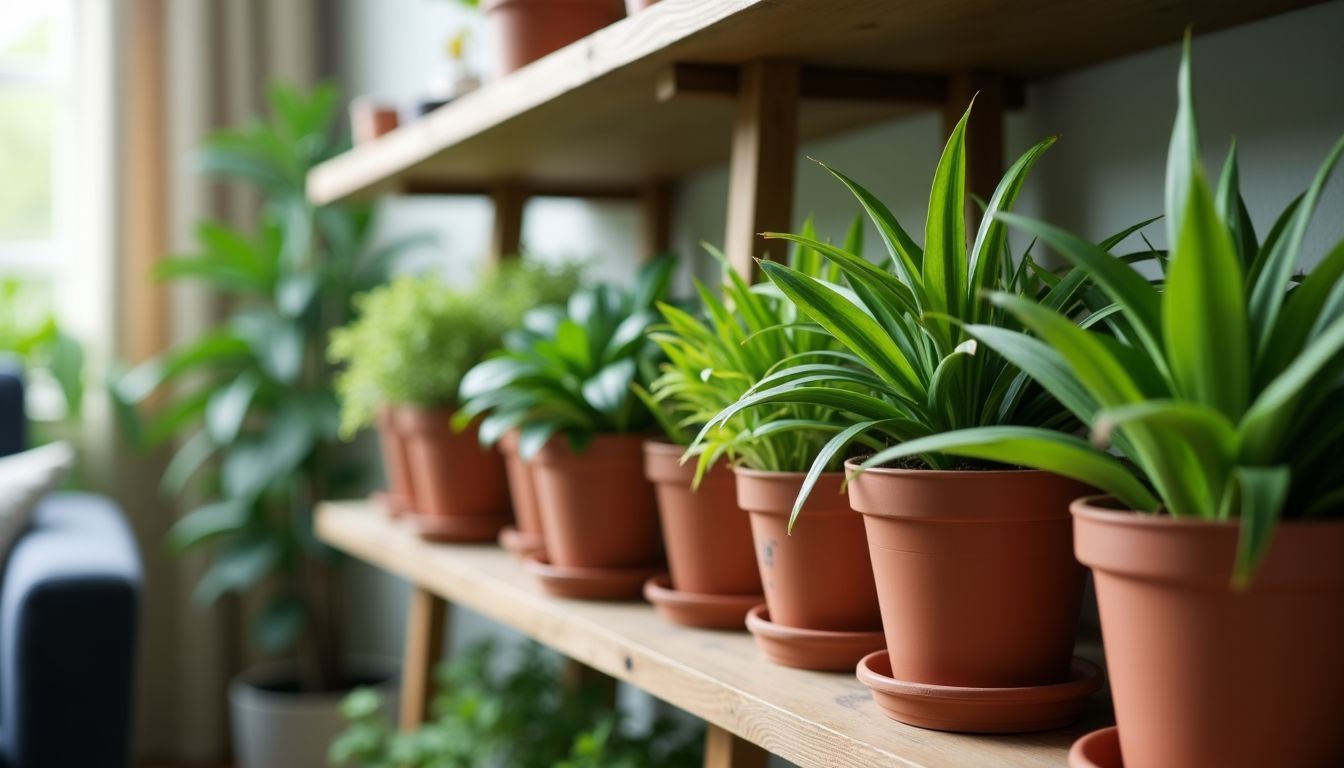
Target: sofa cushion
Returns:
[[24, 479]]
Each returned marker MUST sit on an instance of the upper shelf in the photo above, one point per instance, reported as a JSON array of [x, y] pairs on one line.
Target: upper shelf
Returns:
[[587, 115]]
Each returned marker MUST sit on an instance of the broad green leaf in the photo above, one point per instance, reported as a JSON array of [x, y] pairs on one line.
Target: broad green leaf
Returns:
[[227, 408], [207, 522], [1183, 151], [236, 567], [186, 462]]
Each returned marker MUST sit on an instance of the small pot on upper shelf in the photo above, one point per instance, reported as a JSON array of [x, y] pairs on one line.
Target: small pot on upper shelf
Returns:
[[400, 495], [1207, 675], [525, 30], [714, 579], [461, 491], [822, 607], [525, 536]]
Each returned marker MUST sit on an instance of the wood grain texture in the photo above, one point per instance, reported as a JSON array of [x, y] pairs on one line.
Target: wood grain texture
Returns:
[[761, 166], [590, 112], [815, 719], [426, 626]]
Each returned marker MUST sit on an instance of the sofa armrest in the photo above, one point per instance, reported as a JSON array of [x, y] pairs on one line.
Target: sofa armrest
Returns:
[[68, 614], [13, 419]]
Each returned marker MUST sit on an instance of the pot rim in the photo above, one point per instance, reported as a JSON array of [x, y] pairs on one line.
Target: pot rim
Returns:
[[769, 474], [852, 464], [603, 445], [1092, 508], [244, 688]]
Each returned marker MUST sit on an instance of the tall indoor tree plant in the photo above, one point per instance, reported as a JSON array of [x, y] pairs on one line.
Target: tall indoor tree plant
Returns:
[[249, 402], [1217, 555]]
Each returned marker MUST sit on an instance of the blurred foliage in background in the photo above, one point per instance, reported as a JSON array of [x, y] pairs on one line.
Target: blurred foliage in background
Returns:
[[522, 718], [29, 332]]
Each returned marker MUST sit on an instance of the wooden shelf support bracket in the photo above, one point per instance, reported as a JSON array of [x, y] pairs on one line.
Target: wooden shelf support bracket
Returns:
[[724, 749], [426, 627], [761, 166], [506, 237]]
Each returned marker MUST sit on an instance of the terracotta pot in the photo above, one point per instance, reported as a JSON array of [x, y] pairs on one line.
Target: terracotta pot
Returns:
[[597, 509], [1205, 675], [975, 573], [526, 30], [522, 490], [635, 6], [708, 537], [400, 495], [453, 476], [818, 577]]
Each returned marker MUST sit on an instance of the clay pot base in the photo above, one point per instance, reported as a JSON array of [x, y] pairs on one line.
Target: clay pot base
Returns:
[[391, 504], [460, 529], [587, 583], [979, 710], [692, 609], [817, 649], [1098, 749], [520, 543]]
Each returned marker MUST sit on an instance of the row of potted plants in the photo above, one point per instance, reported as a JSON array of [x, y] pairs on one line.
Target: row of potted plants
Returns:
[[526, 30], [948, 395]]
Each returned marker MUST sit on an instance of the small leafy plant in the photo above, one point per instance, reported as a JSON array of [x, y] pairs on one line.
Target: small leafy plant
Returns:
[[569, 370], [521, 718], [716, 358], [414, 339], [1222, 392], [907, 368]]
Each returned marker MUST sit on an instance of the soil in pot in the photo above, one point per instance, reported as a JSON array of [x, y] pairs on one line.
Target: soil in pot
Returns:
[[274, 723], [975, 573], [1203, 675], [597, 509], [400, 496], [707, 535], [525, 30], [525, 536], [460, 489], [818, 577]]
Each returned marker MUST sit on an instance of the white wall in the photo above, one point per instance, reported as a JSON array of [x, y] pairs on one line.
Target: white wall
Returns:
[[1278, 85]]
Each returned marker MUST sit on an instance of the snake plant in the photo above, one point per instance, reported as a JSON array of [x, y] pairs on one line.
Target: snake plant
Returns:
[[1223, 391]]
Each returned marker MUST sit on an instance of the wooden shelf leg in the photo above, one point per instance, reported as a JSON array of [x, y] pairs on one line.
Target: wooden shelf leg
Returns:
[[984, 133], [576, 676], [724, 749], [655, 202], [506, 237], [426, 626], [761, 168]]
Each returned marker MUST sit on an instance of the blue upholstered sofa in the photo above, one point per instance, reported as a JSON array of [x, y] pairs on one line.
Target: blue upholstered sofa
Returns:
[[69, 594]]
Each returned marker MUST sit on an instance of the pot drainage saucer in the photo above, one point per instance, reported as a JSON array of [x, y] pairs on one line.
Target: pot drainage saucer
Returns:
[[588, 583], [979, 710], [520, 543], [1098, 749], [462, 529], [694, 609], [818, 649]]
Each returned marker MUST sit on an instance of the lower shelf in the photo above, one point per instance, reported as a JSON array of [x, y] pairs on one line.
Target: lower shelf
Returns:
[[811, 718]]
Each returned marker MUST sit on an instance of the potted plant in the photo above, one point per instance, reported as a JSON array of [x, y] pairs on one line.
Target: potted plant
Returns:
[[525, 30], [1217, 552], [820, 608], [251, 402], [406, 353], [973, 560], [563, 382]]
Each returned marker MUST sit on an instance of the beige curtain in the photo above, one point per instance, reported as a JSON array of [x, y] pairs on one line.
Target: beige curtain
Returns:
[[186, 67]]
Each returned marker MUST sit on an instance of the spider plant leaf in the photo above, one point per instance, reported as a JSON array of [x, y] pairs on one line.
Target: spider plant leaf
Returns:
[[1232, 210], [1302, 310], [1044, 449], [1183, 150], [1261, 492], [825, 459], [945, 259], [1204, 315], [1046, 366], [949, 395], [1269, 416], [1209, 435], [856, 330], [991, 239], [906, 256]]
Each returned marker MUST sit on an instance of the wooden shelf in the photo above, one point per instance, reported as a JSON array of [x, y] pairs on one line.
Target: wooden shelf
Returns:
[[811, 718], [586, 118]]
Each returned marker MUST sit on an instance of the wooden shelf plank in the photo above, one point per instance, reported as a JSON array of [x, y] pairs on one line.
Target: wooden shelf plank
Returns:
[[811, 718], [589, 113]]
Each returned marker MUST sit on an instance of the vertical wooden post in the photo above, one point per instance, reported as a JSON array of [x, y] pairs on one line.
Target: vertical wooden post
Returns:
[[575, 676], [506, 238], [724, 749], [655, 202], [760, 181], [426, 626], [984, 133]]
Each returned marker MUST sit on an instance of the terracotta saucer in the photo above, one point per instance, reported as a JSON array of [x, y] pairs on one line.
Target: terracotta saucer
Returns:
[[979, 710], [587, 583], [810, 648], [694, 609], [520, 543], [391, 504], [462, 529], [1098, 749]]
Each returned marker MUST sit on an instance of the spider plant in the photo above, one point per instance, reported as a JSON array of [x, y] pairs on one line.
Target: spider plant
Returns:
[[907, 368], [569, 369], [715, 359], [1223, 391]]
